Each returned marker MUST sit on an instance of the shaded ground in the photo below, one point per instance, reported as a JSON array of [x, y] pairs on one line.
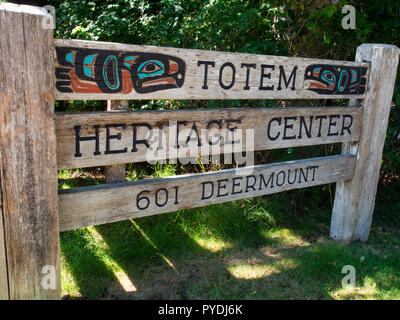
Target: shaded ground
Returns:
[[241, 250]]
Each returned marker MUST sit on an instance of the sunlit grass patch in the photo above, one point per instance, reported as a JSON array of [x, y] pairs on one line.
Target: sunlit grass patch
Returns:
[[69, 285], [368, 290], [212, 244], [286, 237], [251, 271]]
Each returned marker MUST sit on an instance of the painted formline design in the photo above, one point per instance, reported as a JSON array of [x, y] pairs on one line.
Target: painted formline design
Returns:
[[101, 70]]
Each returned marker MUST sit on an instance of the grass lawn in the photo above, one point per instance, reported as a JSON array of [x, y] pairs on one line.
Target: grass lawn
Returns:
[[273, 247]]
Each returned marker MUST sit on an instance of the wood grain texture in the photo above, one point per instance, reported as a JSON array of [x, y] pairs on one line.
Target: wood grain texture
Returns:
[[3, 261], [355, 199], [229, 75], [267, 128], [116, 173], [94, 205], [28, 151]]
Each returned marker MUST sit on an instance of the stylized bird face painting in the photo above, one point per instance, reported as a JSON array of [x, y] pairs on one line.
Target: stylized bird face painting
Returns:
[[106, 71], [330, 79]]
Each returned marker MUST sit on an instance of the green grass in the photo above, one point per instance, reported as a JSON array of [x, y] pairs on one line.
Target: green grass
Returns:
[[274, 247]]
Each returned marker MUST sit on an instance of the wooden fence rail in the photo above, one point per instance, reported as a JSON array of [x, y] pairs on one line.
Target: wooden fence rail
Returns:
[[36, 69], [97, 139], [102, 70], [89, 206]]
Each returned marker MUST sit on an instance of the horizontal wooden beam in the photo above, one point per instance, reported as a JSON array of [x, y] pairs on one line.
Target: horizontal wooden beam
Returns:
[[94, 205], [108, 138], [87, 70]]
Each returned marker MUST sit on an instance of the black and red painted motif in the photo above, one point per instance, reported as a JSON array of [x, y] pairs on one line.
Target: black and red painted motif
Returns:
[[107, 71], [331, 79], [99, 71]]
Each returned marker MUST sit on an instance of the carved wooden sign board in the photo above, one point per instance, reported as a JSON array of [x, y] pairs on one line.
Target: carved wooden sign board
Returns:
[[99, 70], [97, 139], [95, 70], [87, 206], [36, 69]]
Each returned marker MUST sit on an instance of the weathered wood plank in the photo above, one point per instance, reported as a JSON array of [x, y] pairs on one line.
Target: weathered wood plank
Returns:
[[101, 204], [152, 135], [3, 262], [355, 199], [104, 70], [116, 173], [28, 152]]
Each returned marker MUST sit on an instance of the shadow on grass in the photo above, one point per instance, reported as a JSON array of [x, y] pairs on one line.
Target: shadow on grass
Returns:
[[89, 271], [243, 250]]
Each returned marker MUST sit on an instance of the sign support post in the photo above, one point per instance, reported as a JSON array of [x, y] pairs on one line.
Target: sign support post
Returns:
[[28, 154], [355, 199], [116, 173]]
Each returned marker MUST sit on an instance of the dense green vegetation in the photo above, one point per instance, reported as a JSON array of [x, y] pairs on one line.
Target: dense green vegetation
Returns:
[[271, 247]]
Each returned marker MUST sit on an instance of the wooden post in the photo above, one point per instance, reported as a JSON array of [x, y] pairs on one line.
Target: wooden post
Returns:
[[28, 153], [116, 173], [355, 199], [3, 262]]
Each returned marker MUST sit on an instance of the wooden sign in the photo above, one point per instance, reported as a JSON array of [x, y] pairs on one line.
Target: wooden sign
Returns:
[[89, 206], [31, 211], [97, 139], [104, 70]]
